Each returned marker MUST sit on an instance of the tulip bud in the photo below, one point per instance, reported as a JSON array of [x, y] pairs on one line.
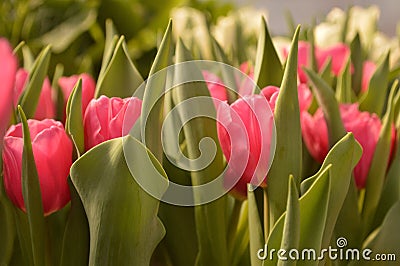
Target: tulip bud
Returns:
[[45, 107], [245, 132], [106, 118], [8, 67], [368, 70], [67, 84], [215, 86], [365, 127], [52, 151]]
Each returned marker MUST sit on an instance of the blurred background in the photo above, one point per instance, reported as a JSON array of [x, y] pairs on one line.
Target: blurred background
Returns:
[[304, 11], [76, 29]]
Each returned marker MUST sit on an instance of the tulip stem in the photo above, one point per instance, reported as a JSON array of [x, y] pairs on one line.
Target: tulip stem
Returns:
[[266, 214], [233, 222]]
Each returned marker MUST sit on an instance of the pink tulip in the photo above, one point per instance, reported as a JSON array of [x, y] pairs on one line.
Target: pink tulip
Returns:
[[45, 107], [364, 126], [8, 68], [246, 84], [338, 53], [215, 86], [52, 151], [67, 84], [245, 131], [304, 95], [107, 118], [369, 68]]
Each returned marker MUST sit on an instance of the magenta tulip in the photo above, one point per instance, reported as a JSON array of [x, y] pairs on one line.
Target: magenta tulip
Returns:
[[304, 95], [52, 151], [45, 107], [215, 86], [67, 84], [368, 70], [245, 131], [364, 126], [338, 54], [8, 68], [106, 118]]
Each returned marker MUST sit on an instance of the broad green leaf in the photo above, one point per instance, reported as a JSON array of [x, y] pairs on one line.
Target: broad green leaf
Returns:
[[313, 207], [75, 247], [268, 68], [75, 118], [256, 235], [120, 78], [210, 218], [377, 170], [111, 196], [153, 102], [357, 61], [291, 227], [375, 97], [30, 97], [349, 220], [391, 190], [343, 157], [68, 31], [288, 152], [32, 196], [343, 86], [394, 74], [384, 240], [327, 101], [7, 226]]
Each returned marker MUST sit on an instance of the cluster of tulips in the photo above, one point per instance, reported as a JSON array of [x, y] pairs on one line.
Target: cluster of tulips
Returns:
[[313, 126]]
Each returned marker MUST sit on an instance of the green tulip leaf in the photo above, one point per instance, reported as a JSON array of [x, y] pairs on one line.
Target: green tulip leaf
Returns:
[[109, 46], [240, 242], [343, 86], [357, 61], [375, 97], [391, 190], [7, 226], [343, 157], [75, 247], [28, 57], [256, 234], [329, 105], [74, 124], [291, 227], [311, 218], [152, 110], [32, 196], [383, 240], [58, 73], [111, 196], [288, 152], [210, 218], [120, 77], [268, 68], [377, 171], [326, 71], [30, 97]]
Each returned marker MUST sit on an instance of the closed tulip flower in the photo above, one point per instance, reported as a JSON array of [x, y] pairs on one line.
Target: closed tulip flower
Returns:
[[215, 86], [67, 84], [364, 126], [8, 68], [105, 118], [45, 107], [338, 54], [245, 132], [52, 151], [368, 70]]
